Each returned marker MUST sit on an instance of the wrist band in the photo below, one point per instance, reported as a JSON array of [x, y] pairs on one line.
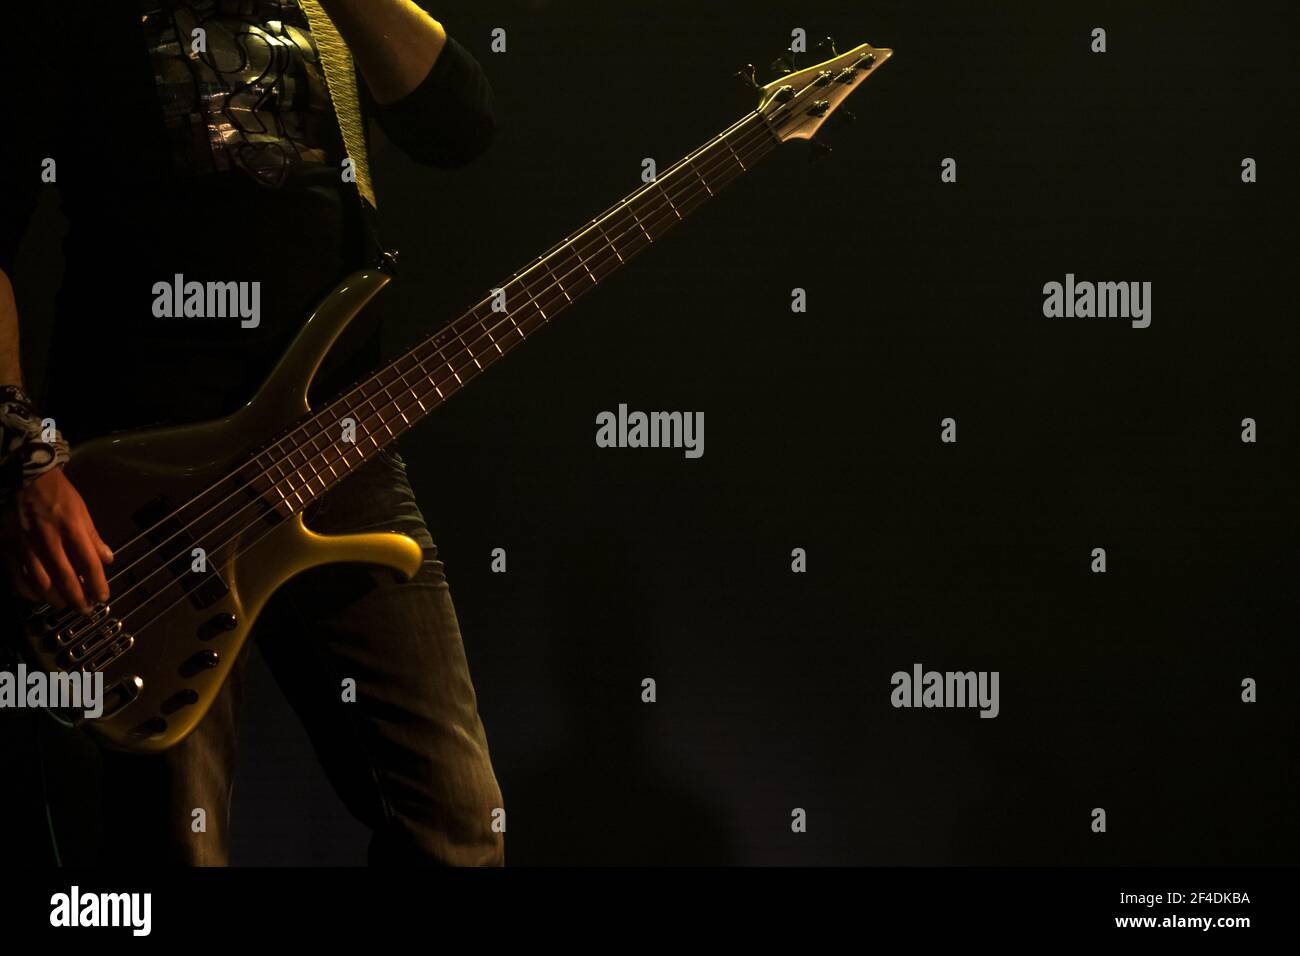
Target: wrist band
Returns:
[[25, 454]]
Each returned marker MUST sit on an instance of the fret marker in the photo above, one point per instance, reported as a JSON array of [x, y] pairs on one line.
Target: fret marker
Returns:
[[556, 280], [670, 201], [537, 306], [607, 242], [594, 280], [735, 154], [638, 222], [703, 181]]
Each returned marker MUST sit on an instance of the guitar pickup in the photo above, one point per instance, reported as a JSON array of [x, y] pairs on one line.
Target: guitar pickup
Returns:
[[66, 635], [77, 654], [110, 654]]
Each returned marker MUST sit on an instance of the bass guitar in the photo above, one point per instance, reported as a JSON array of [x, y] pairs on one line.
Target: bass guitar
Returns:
[[206, 520]]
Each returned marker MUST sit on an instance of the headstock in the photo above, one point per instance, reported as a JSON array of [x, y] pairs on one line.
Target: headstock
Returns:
[[798, 103]]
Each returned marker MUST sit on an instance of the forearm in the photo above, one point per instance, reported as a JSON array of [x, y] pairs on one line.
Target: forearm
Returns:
[[11, 369], [393, 42]]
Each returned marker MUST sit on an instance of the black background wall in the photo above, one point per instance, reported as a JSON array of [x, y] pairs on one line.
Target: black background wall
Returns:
[[1119, 690]]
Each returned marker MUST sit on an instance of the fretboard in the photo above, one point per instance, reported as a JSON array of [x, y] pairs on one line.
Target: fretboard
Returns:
[[315, 455]]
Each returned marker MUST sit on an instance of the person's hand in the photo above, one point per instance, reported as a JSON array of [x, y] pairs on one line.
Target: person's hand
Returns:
[[51, 550]]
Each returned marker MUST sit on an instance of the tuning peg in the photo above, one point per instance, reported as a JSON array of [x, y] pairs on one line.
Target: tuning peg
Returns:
[[819, 150], [783, 64], [827, 46], [746, 75]]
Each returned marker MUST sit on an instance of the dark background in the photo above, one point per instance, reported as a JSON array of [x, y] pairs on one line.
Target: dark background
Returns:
[[1119, 690]]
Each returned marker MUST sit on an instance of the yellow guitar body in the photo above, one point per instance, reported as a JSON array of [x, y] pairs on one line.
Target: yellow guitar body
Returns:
[[160, 679]]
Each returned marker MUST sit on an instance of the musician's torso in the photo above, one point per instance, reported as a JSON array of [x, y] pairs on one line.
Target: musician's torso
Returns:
[[217, 160]]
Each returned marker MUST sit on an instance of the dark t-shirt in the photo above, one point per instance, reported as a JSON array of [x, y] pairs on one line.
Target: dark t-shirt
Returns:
[[222, 166]]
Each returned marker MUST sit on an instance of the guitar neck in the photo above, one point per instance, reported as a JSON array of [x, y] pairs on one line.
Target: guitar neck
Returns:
[[401, 394]]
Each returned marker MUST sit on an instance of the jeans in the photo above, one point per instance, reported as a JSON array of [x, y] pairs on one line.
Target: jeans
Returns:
[[409, 757]]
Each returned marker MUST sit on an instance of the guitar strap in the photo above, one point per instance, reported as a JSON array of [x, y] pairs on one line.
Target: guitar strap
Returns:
[[341, 80]]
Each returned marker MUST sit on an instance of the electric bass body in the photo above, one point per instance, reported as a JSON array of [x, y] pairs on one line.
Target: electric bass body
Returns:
[[174, 626]]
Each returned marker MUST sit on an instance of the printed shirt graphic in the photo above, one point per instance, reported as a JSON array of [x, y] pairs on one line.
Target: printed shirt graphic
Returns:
[[254, 98]]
